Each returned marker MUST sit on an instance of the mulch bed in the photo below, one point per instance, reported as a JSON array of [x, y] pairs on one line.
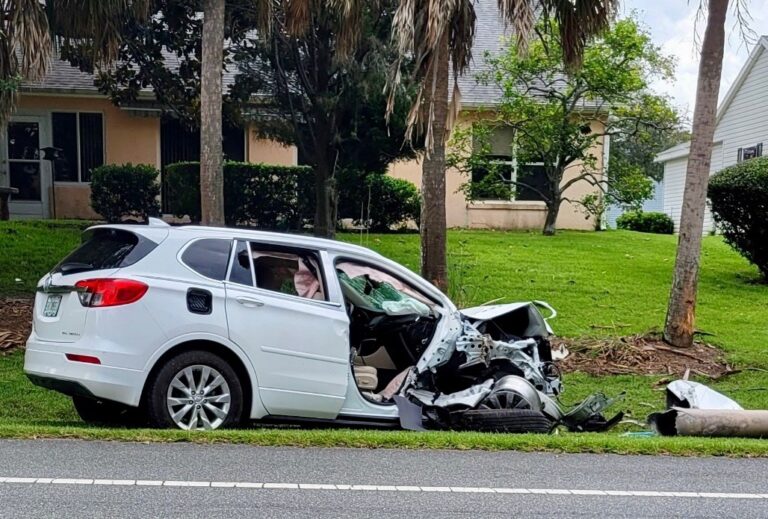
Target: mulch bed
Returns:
[[633, 355], [15, 323], [641, 355]]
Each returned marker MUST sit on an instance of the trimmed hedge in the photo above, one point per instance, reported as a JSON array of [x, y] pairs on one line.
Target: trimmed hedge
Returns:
[[263, 195], [657, 223], [739, 199], [393, 201], [127, 190]]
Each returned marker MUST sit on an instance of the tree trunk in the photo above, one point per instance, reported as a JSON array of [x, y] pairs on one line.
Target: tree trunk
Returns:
[[325, 206], [681, 313], [551, 220], [432, 221], [211, 156]]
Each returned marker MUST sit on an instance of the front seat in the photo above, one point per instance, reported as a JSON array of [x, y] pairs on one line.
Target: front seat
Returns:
[[366, 377]]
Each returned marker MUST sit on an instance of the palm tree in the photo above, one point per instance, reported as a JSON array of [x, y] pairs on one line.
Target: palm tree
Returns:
[[28, 28], [681, 312], [438, 36]]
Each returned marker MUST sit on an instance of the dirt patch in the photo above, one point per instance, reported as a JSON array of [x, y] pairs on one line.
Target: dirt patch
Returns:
[[641, 355], [15, 323]]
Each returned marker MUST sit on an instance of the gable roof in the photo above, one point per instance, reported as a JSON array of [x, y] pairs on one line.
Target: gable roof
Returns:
[[682, 150]]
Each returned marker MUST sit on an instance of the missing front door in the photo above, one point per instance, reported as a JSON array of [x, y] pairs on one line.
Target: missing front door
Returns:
[[26, 171]]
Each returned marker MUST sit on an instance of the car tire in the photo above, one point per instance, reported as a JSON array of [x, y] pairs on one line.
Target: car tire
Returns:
[[506, 421], [103, 412], [207, 411]]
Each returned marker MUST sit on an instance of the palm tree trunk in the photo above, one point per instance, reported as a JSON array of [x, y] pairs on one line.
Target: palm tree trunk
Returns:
[[681, 312], [211, 156], [433, 220]]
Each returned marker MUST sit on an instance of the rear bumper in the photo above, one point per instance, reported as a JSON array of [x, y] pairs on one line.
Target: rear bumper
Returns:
[[46, 365]]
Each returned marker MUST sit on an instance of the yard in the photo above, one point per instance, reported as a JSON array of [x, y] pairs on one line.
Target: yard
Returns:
[[608, 284]]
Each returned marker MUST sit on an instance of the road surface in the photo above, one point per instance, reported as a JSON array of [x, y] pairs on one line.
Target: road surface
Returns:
[[60, 478]]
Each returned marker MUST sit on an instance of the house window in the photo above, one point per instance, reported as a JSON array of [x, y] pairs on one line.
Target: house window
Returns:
[[80, 137], [750, 152], [494, 181]]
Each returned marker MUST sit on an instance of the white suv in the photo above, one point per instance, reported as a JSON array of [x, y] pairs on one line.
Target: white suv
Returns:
[[200, 328]]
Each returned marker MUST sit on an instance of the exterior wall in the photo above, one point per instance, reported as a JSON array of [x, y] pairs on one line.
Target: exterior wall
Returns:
[[505, 214], [270, 152], [127, 138], [674, 186], [745, 120]]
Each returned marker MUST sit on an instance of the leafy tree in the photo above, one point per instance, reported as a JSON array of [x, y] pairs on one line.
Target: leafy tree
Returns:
[[324, 94], [439, 37], [557, 117], [318, 90]]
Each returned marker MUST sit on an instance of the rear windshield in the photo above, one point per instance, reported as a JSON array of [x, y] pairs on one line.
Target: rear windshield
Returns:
[[106, 248]]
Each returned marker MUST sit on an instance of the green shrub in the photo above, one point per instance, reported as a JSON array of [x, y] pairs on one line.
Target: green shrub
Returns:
[[657, 223], [126, 190], [739, 198], [385, 202], [266, 196]]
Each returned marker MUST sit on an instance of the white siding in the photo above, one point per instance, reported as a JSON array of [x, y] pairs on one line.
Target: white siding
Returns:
[[674, 186], [743, 122]]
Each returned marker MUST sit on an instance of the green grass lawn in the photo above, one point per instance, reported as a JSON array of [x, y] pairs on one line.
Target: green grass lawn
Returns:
[[602, 284]]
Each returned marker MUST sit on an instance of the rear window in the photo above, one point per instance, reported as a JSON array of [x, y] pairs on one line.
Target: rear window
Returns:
[[208, 257], [106, 249]]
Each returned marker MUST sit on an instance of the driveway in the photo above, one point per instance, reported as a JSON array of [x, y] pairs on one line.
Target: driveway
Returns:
[[102, 479]]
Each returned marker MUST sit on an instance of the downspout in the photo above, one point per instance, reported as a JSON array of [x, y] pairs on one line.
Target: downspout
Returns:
[[604, 182]]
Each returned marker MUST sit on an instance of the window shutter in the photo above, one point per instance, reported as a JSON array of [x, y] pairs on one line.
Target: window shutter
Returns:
[[738, 155]]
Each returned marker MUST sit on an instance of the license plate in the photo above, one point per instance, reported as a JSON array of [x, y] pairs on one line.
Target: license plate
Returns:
[[52, 305]]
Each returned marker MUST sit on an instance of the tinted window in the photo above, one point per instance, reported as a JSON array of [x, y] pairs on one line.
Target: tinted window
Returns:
[[106, 249], [208, 257], [241, 268]]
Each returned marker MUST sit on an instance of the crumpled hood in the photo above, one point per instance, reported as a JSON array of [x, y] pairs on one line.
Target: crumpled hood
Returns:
[[531, 323], [538, 325]]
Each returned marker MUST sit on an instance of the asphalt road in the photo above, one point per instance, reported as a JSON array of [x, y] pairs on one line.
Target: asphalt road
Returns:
[[99, 479]]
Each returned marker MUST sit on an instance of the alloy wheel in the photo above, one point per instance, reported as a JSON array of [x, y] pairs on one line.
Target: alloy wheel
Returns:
[[198, 398]]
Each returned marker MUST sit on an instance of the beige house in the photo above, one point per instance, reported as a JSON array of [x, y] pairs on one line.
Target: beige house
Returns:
[[66, 111], [478, 101]]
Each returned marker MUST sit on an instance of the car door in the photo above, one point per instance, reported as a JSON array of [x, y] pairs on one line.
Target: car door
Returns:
[[299, 345]]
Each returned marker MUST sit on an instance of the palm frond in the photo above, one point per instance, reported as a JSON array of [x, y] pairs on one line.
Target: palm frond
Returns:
[[578, 21], [25, 48], [100, 22], [298, 16]]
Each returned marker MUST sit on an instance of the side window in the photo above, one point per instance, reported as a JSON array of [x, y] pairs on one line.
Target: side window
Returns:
[[284, 270], [208, 257], [242, 269]]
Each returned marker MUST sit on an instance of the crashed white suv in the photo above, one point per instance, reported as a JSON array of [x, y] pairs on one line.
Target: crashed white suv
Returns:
[[200, 328]]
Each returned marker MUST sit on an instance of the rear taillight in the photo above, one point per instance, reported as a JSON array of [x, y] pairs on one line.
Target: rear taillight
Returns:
[[109, 292]]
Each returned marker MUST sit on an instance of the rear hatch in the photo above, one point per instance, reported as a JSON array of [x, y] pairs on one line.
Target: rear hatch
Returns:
[[58, 314]]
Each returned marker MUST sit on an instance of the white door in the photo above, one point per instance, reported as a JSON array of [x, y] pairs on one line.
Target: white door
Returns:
[[299, 346], [24, 167]]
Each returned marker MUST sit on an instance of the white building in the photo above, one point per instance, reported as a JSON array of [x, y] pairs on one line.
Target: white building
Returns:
[[742, 128]]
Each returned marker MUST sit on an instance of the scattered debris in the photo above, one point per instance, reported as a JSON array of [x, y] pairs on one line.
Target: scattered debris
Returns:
[[15, 323], [641, 355], [697, 410]]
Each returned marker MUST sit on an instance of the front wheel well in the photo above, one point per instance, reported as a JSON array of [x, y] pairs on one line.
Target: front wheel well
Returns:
[[211, 347]]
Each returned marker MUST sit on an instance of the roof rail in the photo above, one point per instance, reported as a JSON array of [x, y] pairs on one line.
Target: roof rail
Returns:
[[156, 222]]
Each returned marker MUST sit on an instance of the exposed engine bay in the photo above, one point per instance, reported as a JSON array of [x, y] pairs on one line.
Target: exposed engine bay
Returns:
[[490, 368]]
